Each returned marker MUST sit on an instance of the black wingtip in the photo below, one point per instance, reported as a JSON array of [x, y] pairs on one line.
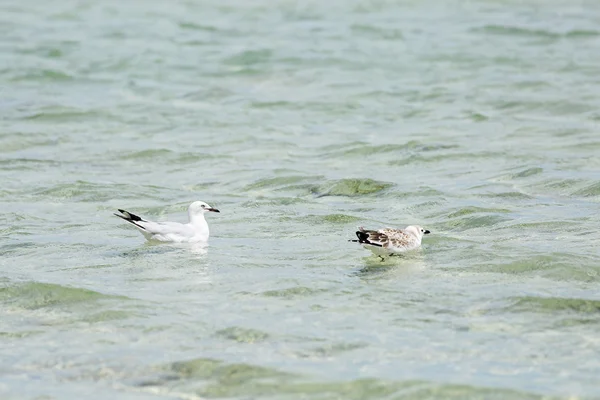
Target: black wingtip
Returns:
[[128, 216], [131, 218], [363, 237]]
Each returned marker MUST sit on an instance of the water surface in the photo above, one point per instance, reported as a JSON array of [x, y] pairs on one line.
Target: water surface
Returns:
[[300, 122]]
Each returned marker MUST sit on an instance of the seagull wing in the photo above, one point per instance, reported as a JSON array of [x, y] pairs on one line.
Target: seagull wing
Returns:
[[398, 238], [387, 238], [166, 231], [374, 238]]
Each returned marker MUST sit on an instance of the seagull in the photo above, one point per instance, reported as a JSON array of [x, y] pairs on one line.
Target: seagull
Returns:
[[194, 231], [390, 241]]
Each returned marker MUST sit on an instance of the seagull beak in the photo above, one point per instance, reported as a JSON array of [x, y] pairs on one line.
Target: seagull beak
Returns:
[[213, 209], [426, 232]]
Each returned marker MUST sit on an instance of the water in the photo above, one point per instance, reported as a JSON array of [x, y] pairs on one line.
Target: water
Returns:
[[300, 122]]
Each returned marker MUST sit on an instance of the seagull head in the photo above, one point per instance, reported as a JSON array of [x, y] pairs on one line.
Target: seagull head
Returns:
[[417, 230], [200, 207]]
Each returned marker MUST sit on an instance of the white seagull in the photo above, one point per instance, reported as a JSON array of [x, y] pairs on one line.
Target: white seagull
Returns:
[[194, 231], [390, 241]]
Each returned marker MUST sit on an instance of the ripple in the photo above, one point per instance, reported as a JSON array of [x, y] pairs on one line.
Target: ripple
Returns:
[[250, 57], [15, 231], [552, 304], [376, 32], [554, 108], [9, 248], [170, 157], [508, 196], [362, 149], [550, 226], [352, 187], [199, 367], [35, 295], [471, 221], [273, 104], [436, 158], [197, 27], [570, 187], [475, 210], [556, 266], [108, 315], [293, 292], [27, 164], [144, 154], [505, 30], [327, 219], [478, 117], [210, 378], [589, 191], [22, 142], [19, 334], [233, 375], [595, 145], [46, 75], [243, 335], [332, 350], [59, 114], [284, 182], [89, 192], [274, 201], [339, 218], [527, 173], [582, 33]]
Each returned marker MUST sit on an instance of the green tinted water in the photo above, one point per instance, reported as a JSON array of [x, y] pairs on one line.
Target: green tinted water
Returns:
[[300, 122]]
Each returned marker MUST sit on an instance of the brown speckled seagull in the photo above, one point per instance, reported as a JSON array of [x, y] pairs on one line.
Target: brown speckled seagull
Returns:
[[390, 241]]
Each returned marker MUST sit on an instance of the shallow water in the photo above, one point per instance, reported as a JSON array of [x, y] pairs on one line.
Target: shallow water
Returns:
[[300, 121]]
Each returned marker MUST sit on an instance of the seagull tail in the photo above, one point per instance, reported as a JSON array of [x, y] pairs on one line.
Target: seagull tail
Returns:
[[131, 218], [363, 238], [128, 216]]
